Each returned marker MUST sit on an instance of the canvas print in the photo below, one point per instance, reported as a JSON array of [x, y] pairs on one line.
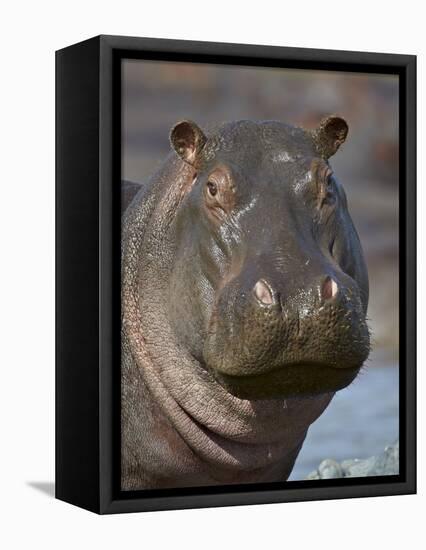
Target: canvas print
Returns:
[[259, 275]]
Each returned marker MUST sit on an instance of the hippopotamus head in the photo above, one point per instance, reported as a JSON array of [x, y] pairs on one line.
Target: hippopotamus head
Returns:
[[269, 288]]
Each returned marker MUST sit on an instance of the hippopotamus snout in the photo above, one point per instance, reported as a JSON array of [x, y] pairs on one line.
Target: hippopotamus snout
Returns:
[[267, 296], [285, 326], [318, 284]]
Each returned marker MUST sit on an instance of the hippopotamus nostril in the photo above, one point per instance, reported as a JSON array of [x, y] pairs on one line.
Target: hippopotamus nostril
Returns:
[[263, 293], [329, 288]]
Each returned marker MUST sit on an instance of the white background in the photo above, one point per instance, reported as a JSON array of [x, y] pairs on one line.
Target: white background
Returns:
[[30, 32]]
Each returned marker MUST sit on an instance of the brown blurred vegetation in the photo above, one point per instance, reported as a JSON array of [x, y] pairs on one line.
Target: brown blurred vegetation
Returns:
[[158, 94]]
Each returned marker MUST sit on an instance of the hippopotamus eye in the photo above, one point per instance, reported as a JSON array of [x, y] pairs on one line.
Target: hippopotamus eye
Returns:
[[326, 188], [325, 185], [219, 193], [330, 196], [211, 188]]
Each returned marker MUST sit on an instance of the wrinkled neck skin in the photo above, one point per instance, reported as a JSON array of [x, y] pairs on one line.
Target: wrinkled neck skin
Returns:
[[230, 439]]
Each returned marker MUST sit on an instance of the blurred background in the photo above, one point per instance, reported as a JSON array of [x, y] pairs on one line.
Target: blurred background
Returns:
[[363, 418]]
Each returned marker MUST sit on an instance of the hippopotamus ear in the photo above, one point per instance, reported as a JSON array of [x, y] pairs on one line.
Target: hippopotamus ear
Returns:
[[330, 135], [187, 140]]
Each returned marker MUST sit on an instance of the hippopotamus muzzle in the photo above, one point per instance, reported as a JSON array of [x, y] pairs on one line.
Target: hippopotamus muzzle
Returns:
[[265, 342]]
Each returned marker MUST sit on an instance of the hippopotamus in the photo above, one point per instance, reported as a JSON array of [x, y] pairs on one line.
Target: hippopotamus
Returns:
[[244, 300]]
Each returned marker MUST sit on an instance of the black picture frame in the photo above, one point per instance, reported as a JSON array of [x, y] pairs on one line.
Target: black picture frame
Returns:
[[88, 273]]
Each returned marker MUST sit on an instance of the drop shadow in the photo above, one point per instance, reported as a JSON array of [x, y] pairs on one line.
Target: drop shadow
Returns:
[[46, 487]]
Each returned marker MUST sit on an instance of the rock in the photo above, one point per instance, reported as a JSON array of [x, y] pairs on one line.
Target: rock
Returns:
[[329, 469], [387, 463], [359, 468]]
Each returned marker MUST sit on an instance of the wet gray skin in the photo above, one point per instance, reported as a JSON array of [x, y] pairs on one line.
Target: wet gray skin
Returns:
[[244, 301]]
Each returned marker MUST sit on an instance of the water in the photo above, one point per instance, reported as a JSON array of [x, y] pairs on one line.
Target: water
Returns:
[[359, 422]]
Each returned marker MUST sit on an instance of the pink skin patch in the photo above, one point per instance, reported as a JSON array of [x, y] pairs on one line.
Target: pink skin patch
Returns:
[[263, 292], [329, 288]]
